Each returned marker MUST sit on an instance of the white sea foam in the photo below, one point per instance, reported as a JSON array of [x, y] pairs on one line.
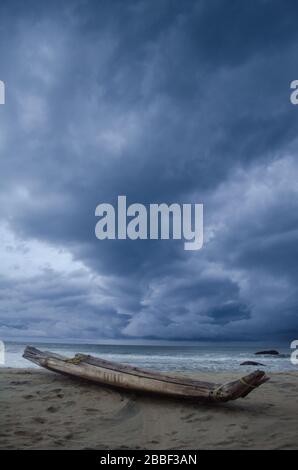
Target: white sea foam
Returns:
[[203, 357]]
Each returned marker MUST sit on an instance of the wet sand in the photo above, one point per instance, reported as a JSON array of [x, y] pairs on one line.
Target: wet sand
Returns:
[[43, 410]]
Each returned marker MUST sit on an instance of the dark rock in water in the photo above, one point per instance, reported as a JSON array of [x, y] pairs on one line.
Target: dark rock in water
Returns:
[[270, 352], [251, 363]]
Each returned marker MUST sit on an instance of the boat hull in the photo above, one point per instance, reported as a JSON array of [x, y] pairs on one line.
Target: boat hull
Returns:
[[143, 381]]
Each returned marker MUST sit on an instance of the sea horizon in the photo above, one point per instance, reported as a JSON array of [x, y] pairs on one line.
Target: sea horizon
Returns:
[[204, 356]]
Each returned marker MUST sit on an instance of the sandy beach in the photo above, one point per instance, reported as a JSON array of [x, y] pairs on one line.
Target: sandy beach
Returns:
[[43, 410]]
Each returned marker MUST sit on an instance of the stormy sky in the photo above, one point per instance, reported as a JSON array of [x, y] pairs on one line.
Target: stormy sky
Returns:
[[161, 101]]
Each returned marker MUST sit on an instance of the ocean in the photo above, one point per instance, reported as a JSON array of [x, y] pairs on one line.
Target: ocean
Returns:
[[201, 357]]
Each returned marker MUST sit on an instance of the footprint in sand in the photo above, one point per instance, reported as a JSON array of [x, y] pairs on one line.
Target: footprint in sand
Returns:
[[187, 417], [21, 433], [59, 443], [205, 418], [19, 382], [53, 409], [56, 390], [129, 410], [39, 420], [70, 403]]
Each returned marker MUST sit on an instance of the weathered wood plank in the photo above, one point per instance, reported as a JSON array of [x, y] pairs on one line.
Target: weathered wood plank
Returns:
[[135, 379]]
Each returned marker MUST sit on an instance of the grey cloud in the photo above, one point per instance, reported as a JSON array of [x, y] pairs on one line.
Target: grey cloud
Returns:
[[163, 102]]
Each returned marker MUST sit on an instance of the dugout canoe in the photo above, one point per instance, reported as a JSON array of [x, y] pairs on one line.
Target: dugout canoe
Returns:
[[134, 379]]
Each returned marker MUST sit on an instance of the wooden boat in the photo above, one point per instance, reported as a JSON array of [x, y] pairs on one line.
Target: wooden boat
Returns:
[[145, 381]]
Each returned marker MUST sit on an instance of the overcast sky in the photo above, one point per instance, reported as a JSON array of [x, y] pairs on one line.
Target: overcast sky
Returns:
[[162, 101]]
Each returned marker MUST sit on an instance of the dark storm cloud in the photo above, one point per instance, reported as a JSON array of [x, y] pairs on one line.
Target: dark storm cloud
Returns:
[[163, 102]]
